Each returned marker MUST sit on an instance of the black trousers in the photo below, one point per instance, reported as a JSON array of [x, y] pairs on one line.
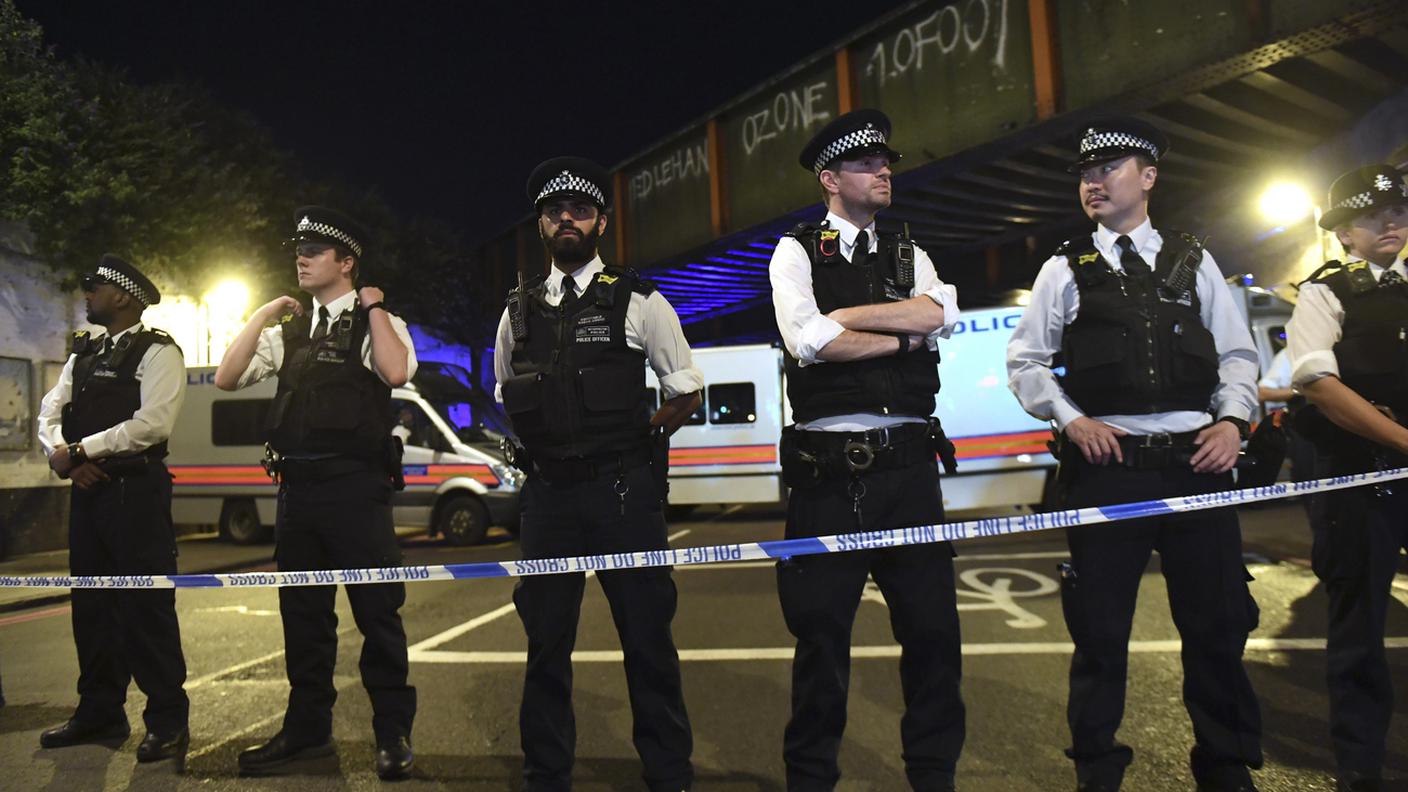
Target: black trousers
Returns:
[[123, 527], [340, 523], [1201, 556], [1356, 553], [579, 519], [819, 596]]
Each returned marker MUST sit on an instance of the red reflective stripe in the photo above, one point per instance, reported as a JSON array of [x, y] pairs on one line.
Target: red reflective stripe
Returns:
[[204, 475], [724, 455], [1001, 444]]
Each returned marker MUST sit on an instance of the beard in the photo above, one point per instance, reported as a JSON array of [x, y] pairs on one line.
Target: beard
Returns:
[[572, 249], [98, 317]]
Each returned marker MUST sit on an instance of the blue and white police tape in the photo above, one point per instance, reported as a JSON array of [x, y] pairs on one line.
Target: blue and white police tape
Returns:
[[986, 528]]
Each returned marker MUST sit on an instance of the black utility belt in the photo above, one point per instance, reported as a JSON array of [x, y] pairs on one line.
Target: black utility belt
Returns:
[[809, 457], [1157, 451], [125, 466], [297, 470], [578, 469]]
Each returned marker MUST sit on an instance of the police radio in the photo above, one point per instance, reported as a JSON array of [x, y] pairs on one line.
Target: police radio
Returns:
[[1183, 272], [902, 259], [518, 310]]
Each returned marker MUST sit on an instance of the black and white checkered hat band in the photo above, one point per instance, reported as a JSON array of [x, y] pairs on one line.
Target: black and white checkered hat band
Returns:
[[847, 142], [126, 284], [326, 230], [1363, 200], [1094, 141], [568, 181]]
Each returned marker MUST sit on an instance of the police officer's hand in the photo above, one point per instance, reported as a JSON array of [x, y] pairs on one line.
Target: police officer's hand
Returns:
[[1218, 446], [59, 461], [370, 295], [87, 475], [279, 307], [1098, 442]]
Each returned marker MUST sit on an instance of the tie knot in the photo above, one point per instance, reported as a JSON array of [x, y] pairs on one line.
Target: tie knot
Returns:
[[1125, 244], [107, 345], [569, 286], [323, 313]]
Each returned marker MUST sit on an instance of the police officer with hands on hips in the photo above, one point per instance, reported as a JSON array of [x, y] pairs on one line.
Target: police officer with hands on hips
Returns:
[[1160, 378], [570, 361], [330, 428], [1348, 358], [860, 315], [105, 426]]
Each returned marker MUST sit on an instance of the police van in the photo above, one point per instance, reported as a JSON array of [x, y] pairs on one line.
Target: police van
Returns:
[[728, 451], [457, 484]]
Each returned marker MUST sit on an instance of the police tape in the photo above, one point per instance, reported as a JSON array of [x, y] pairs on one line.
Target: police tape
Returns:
[[985, 528]]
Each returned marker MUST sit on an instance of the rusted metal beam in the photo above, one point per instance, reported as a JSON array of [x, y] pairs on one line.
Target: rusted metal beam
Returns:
[[718, 196], [1046, 58]]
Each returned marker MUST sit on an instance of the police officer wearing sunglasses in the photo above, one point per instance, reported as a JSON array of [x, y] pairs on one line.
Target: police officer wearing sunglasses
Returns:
[[105, 426], [330, 425]]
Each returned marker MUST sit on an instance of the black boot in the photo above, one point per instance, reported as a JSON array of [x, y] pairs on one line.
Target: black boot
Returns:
[[160, 745], [77, 732], [279, 751], [394, 758]]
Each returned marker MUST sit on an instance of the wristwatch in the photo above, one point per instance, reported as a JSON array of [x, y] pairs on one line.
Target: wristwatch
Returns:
[[76, 454], [1244, 429]]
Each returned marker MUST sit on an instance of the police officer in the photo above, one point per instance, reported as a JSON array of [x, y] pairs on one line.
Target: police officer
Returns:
[[330, 425], [570, 361], [1346, 344], [860, 314], [1160, 378], [105, 426]]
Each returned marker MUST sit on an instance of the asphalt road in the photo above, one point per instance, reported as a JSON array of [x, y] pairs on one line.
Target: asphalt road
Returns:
[[467, 649]]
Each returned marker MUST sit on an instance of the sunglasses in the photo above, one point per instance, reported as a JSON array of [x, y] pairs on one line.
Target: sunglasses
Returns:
[[92, 281]]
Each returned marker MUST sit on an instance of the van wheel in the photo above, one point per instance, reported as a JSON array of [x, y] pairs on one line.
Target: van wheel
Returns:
[[239, 523], [462, 520]]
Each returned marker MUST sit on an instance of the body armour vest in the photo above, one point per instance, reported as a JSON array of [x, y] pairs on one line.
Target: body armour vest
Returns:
[[578, 389], [328, 402], [106, 390], [902, 385], [1372, 352], [1137, 345]]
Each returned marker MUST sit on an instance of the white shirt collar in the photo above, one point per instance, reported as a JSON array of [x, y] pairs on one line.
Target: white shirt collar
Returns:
[[336, 307], [848, 232], [582, 276], [133, 329], [1378, 271], [1105, 238]]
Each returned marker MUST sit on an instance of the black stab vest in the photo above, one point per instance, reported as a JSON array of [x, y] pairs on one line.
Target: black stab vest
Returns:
[[106, 390], [900, 385], [1372, 352], [328, 402], [1135, 347], [578, 389]]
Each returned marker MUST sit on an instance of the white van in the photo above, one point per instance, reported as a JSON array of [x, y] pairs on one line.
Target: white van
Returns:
[[457, 484]]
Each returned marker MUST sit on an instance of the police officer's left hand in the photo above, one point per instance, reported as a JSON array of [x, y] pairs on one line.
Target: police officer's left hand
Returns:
[[87, 475], [1218, 446], [59, 461], [369, 295]]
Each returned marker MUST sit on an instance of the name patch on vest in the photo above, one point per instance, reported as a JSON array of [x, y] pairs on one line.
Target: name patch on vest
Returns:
[[593, 329], [103, 372], [330, 356], [1184, 298]]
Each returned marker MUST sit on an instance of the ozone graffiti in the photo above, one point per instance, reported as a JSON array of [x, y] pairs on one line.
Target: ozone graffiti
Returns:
[[799, 108]]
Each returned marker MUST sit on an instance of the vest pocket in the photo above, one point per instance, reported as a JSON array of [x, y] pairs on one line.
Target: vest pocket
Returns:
[[1195, 356], [605, 390], [1089, 352], [523, 393]]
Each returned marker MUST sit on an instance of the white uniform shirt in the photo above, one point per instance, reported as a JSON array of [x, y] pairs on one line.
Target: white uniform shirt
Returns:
[[805, 331], [1278, 376], [269, 352], [652, 327], [162, 376], [1315, 328], [1054, 304]]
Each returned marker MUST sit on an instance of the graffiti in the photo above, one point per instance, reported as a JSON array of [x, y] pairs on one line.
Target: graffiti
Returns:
[[685, 162], [798, 108], [961, 27]]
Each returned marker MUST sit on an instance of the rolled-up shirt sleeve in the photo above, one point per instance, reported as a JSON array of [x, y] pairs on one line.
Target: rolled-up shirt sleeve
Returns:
[[1311, 334], [1035, 342], [268, 357], [51, 433], [162, 375], [661, 337], [927, 283], [503, 356], [1237, 358], [805, 331]]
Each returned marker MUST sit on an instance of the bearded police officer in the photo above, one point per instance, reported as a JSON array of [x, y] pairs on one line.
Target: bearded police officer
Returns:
[[570, 361], [105, 426], [330, 425], [1348, 356], [860, 314], [1160, 378]]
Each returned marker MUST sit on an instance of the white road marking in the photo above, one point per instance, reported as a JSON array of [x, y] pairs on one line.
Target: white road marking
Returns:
[[887, 652], [243, 610]]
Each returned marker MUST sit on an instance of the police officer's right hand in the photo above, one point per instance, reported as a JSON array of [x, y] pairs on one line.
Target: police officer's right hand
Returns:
[[87, 475], [1098, 442], [278, 307]]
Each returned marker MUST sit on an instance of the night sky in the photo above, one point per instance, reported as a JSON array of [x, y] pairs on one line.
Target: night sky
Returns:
[[445, 107]]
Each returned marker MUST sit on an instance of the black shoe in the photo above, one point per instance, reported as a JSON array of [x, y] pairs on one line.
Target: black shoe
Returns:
[[157, 746], [77, 732], [1350, 781], [279, 751], [394, 758]]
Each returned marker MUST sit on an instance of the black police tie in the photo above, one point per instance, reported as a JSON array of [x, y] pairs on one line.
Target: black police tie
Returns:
[[860, 254], [322, 328], [1391, 278], [107, 346], [569, 288], [1132, 262]]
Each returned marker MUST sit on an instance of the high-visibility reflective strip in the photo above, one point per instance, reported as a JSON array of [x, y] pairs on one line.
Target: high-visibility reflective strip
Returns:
[[724, 455], [208, 475], [1001, 445], [435, 474]]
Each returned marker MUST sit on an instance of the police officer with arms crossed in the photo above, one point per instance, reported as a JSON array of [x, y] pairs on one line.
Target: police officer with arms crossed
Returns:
[[861, 315], [330, 424], [105, 426], [1349, 360], [570, 361], [1153, 348]]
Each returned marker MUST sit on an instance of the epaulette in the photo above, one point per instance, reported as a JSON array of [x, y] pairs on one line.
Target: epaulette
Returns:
[[1324, 272], [84, 343], [1064, 248], [639, 285], [530, 284], [160, 336], [804, 229]]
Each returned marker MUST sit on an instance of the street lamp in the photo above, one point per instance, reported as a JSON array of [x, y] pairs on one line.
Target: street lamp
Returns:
[[1284, 203], [223, 310]]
